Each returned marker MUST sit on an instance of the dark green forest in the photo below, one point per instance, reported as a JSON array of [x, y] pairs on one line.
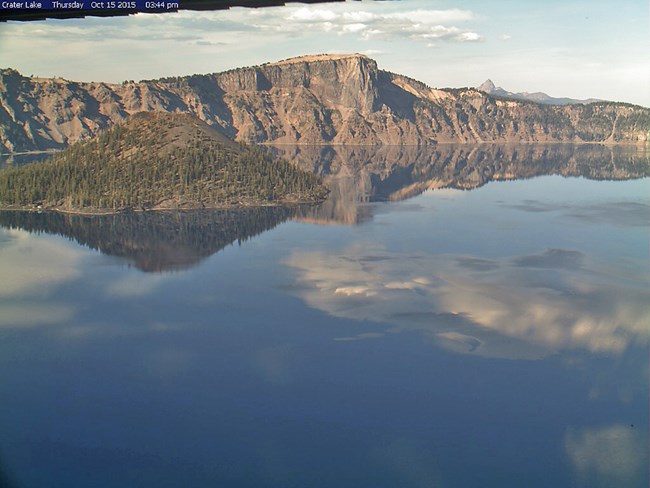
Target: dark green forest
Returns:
[[157, 161]]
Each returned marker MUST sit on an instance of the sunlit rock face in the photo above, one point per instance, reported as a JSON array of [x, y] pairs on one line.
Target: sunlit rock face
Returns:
[[336, 99]]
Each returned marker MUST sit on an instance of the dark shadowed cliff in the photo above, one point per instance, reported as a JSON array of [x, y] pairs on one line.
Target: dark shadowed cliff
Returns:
[[327, 99]]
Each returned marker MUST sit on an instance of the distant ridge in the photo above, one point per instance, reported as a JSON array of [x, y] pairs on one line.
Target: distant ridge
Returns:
[[539, 97], [316, 99]]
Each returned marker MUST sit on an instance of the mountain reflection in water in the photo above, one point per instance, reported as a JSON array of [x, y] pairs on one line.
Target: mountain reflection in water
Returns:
[[359, 174], [355, 175], [493, 337]]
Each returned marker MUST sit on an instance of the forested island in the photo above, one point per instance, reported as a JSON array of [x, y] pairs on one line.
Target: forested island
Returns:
[[157, 161]]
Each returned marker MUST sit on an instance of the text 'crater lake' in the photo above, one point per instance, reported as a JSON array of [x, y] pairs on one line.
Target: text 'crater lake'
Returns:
[[450, 316]]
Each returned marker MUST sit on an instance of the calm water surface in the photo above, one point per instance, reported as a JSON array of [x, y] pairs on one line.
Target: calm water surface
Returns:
[[490, 337]]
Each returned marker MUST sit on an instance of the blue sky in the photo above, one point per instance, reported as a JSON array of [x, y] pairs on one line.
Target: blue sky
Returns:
[[581, 49]]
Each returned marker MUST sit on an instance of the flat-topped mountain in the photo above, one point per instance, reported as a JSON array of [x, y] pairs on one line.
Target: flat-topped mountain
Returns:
[[318, 58], [155, 161], [324, 99]]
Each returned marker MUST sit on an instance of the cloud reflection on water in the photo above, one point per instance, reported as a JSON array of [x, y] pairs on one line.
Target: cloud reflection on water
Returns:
[[135, 285], [26, 313], [29, 265], [520, 307], [613, 455], [30, 269]]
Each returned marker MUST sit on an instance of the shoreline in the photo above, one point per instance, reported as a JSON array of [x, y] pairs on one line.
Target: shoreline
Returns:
[[432, 144], [34, 152], [91, 212], [476, 143]]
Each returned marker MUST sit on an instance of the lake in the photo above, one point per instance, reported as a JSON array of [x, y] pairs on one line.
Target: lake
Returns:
[[450, 317]]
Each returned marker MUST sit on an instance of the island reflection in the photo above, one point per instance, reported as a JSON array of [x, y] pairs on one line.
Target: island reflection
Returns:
[[355, 175], [154, 241]]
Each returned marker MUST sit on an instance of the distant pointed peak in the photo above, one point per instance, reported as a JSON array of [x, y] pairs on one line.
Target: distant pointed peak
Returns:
[[487, 86]]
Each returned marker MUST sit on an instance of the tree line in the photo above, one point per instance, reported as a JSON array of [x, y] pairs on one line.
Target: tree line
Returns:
[[140, 167]]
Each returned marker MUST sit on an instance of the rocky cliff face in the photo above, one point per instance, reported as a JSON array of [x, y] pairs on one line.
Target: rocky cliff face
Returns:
[[332, 99]]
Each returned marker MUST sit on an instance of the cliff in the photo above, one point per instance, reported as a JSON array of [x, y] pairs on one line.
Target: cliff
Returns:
[[327, 99]]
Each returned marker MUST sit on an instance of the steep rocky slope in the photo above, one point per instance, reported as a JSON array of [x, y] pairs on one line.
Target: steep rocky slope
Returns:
[[334, 99]]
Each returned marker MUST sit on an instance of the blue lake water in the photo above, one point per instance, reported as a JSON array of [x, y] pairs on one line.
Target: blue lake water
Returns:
[[496, 336]]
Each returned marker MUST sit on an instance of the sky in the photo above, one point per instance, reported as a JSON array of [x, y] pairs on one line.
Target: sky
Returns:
[[574, 48]]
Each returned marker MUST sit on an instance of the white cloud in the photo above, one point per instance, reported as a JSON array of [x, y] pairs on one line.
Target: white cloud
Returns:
[[431, 32], [373, 52], [312, 14], [440, 32], [354, 27], [370, 20], [359, 16], [469, 37], [422, 16]]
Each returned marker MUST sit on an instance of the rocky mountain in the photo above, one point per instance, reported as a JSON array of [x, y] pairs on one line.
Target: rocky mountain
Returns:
[[331, 99], [540, 97]]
